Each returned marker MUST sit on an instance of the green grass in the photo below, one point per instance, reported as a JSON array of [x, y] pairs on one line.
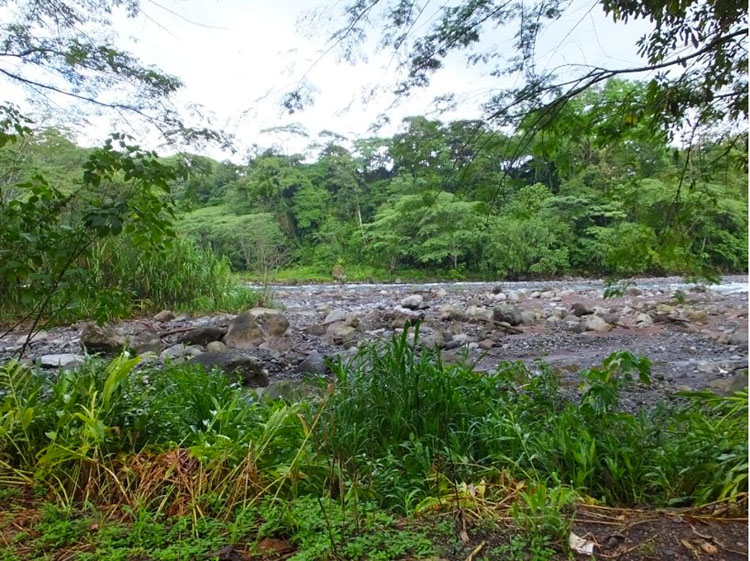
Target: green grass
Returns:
[[398, 433], [313, 274]]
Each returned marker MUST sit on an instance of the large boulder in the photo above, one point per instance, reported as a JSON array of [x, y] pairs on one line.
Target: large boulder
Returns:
[[339, 333], [508, 314], [202, 335], [235, 363], [412, 302], [255, 327], [64, 361], [314, 363], [579, 309], [105, 339], [595, 323], [164, 315]]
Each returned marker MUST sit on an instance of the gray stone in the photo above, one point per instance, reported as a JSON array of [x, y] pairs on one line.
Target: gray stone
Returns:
[[611, 318], [577, 326], [202, 335], [528, 318], [595, 323], [412, 302], [291, 391], [633, 291], [179, 351], [314, 363], [316, 329], [235, 363], [65, 360], [334, 316], [507, 313], [729, 385], [643, 320], [164, 315], [450, 312], [479, 313], [272, 321], [145, 342], [579, 309], [102, 339], [486, 344], [216, 347], [255, 327], [340, 333]]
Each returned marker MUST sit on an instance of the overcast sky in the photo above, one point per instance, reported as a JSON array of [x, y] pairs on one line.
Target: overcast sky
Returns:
[[237, 57]]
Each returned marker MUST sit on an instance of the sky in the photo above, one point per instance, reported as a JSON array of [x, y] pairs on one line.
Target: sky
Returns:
[[237, 57]]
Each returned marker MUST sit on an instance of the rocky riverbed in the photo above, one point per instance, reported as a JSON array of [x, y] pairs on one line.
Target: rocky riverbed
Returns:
[[695, 336]]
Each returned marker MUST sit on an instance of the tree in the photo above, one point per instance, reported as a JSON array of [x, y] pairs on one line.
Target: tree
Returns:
[[696, 54], [63, 50]]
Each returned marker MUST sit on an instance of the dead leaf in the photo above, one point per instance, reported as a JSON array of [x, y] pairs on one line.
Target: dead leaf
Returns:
[[271, 545]]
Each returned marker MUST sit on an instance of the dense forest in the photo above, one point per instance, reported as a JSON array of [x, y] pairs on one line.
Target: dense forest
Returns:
[[602, 191]]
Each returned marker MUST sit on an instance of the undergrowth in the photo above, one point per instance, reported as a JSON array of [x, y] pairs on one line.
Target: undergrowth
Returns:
[[399, 432]]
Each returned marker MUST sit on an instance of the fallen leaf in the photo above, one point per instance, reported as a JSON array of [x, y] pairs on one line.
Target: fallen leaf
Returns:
[[275, 546]]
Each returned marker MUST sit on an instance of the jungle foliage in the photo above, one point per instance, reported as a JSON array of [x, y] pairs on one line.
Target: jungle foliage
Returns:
[[599, 191]]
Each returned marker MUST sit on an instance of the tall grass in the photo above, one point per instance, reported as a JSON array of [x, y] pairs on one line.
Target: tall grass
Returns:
[[117, 279], [397, 427]]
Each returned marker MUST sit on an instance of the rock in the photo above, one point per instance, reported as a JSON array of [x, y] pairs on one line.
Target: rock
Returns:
[[412, 302], [431, 338], [729, 385], [202, 335], [567, 292], [478, 313], [644, 320], [595, 323], [236, 363], [633, 291], [439, 292], [535, 294], [145, 341], [514, 297], [335, 315], [497, 289], [65, 360], [179, 351], [272, 321], [316, 329], [739, 338], [291, 391], [409, 313], [579, 309], [500, 297], [665, 308], [486, 344], [216, 347], [577, 326], [547, 294], [164, 315], [507, 313], [611, 318], [339, 273], [340, 333], [314, 363], [697, 316], [36, 338], [244, 331], [255, 327], [450, 312], [102, 339], [528, 318]]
